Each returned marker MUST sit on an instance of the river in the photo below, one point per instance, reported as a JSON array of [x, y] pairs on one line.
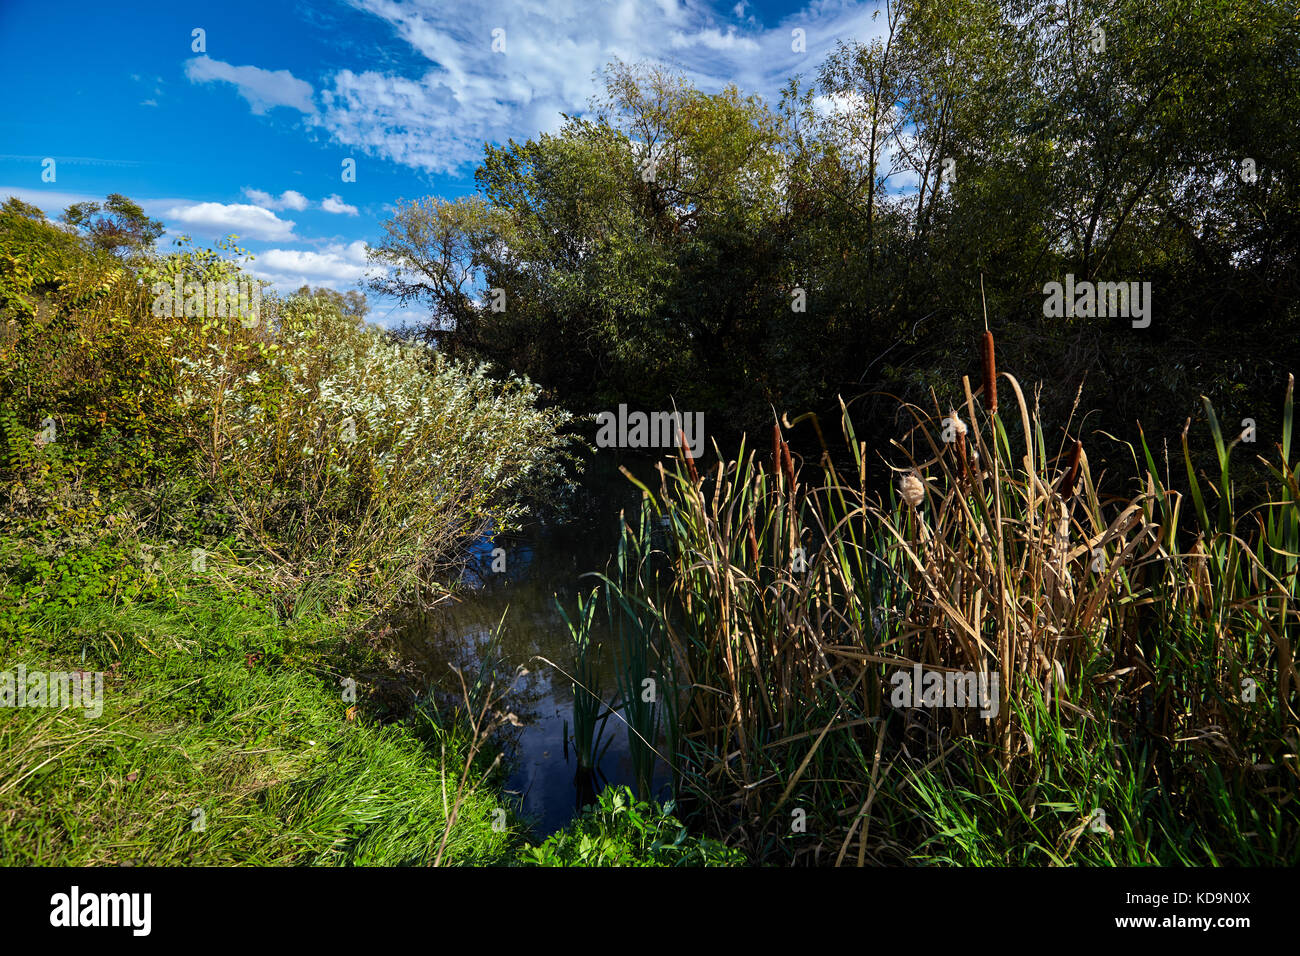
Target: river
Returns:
[[542, 563]]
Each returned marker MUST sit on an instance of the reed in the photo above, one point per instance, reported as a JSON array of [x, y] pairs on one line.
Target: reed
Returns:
[[643, 668], [1126, 648], [588, 700]]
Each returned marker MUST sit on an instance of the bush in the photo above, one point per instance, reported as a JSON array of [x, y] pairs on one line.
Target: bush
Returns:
[[336, 447], [321, 447], [622, 831]]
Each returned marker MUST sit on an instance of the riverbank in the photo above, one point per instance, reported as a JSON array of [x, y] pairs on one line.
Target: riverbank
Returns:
[[229, 736], [225, 737], [200, 515]]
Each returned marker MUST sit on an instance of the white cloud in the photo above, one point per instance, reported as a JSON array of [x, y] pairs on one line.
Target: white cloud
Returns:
[[292, 199], [289, 199], [243, 220], [219, 219], [337, 267], [439, 119], [336, 204], [50, 202], [263, 89], [715, 39]]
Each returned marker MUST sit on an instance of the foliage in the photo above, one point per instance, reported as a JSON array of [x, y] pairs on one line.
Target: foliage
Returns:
[[335, 446], [976, 138], [341, 457], [118, 225], [622, 831]]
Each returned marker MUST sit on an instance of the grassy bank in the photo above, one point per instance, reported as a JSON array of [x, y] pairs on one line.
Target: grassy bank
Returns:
[[226, 738], [203, 505]]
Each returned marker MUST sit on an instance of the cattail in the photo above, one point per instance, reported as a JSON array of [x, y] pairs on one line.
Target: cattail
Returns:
[[788, 463], [686, 452], [753, 542], [776, 450], [958, 426], [1072, 473], [959, 430], [912, 489], [990, 374]]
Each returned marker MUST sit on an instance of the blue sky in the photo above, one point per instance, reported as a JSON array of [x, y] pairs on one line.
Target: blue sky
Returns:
[[249, 135]]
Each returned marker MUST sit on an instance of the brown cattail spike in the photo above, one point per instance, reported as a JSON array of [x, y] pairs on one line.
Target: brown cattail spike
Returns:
[[955, 431], [776, 450], [1072, 473], [788, 463], [686, 452], [990, 374], [753, 542]]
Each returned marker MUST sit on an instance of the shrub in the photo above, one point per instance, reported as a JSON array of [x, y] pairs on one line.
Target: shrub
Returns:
[[622, 831], [323, 448], [336, 447]]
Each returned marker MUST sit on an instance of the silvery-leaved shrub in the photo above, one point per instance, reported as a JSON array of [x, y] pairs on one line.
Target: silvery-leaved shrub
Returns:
[[344, 453]]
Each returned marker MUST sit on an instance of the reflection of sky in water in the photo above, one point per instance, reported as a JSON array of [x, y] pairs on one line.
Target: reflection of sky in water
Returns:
[[538, 566]]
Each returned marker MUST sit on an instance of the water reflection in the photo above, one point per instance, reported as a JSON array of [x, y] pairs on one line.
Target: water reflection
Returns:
[[521, 581]]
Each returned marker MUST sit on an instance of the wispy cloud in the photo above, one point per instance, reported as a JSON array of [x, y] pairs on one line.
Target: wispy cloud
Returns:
[[714, 39], [263, 89], [542, 65], [71, 160]]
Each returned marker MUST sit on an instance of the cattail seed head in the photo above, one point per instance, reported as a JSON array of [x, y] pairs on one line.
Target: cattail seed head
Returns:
[[990, 374], [686, 453], [958, 426], [753, 542], [1072, 473], [911, 489]]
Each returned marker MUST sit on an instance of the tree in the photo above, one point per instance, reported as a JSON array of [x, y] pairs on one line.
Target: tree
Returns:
[[351, 304], [118, 226], [658, 248], [13, 206]]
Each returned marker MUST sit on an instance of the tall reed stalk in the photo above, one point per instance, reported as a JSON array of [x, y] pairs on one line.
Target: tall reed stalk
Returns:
[[587, 693], [1132, 653]]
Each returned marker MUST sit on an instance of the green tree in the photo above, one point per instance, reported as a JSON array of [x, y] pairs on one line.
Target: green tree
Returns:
[[118, 225], [351, 304]]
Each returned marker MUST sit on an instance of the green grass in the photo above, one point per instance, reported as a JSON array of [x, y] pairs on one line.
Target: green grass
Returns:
[[211, 704]]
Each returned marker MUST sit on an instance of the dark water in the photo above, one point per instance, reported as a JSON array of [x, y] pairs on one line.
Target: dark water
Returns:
[[542, 563]]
